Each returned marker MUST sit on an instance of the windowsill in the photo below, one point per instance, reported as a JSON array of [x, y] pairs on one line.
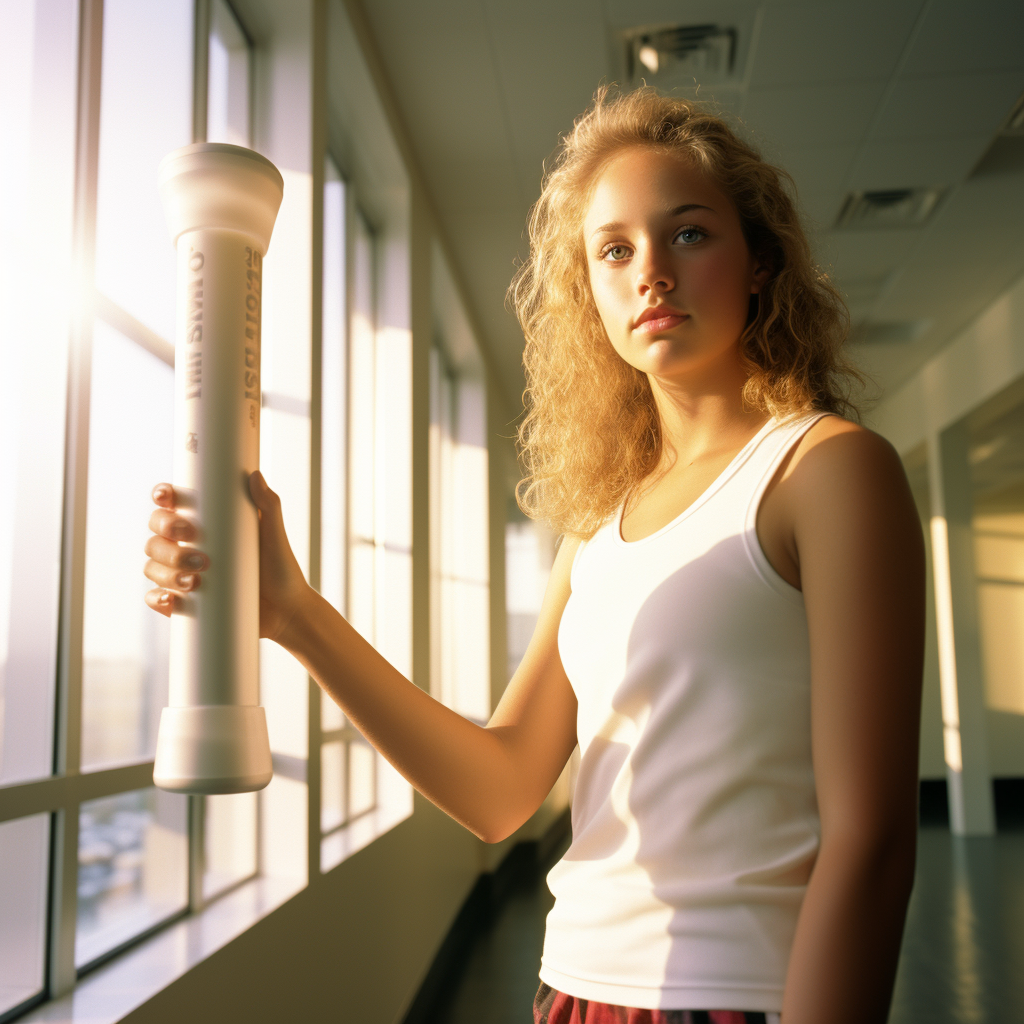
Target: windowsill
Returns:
[[111, 992]]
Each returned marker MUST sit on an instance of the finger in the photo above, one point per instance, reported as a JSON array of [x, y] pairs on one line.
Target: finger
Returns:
[[161, 601], [171, 579], [167, 552], [164, 496], [170, 525], [266, 500]]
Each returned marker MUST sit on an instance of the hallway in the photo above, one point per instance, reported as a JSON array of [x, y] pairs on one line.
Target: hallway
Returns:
[[962, 960], [384, 378]]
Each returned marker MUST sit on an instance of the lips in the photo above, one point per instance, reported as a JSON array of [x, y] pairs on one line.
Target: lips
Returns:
[[658, 318]]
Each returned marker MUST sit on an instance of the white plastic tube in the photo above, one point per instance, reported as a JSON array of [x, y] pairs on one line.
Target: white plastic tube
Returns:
[[221, 202]]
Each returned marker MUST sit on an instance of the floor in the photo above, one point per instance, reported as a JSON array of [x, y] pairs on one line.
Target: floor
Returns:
[[962, 961]]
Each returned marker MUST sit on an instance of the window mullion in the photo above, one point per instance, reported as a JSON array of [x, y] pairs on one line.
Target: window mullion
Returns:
[[196, 851], [63, 895], [201, 71]]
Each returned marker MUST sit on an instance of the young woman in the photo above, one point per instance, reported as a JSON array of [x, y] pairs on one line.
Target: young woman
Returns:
[[733, 628]]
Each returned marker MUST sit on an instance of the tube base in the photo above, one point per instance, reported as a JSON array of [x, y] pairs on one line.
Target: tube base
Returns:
[[221, 748]]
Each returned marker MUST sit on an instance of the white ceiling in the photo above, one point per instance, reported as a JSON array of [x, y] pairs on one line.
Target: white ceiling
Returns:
[[872, 94]]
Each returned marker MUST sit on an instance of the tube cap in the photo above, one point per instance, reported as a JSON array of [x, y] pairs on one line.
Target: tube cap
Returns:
[[216, 185]]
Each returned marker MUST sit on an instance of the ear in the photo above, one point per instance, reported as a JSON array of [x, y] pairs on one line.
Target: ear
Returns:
[[759, 278]]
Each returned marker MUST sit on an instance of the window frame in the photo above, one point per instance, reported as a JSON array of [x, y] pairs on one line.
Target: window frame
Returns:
[[62, 793]]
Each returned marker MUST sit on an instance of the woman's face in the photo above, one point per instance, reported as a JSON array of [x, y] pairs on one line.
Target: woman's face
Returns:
[[670, 270]]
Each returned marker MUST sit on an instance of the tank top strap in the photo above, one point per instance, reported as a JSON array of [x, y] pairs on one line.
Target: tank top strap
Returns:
[[772, 452]]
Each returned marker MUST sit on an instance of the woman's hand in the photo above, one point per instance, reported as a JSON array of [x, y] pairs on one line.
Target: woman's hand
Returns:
[[176, 567]]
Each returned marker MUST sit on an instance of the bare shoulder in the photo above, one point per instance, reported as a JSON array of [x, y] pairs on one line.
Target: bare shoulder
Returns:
[[837, 454], [846, 480]]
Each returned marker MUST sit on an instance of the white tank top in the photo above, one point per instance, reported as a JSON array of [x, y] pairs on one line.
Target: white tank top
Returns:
[[694, 821]]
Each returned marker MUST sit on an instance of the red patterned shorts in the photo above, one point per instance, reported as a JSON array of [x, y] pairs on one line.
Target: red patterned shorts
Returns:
[[554, 1007]]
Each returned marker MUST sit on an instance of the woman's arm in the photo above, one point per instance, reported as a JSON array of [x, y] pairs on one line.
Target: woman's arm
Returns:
[[860, 554], [491, 779]]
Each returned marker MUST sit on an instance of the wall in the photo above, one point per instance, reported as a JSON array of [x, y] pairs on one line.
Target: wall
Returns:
[[982, 366]]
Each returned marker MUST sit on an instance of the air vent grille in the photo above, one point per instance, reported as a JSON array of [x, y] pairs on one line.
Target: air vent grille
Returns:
[[889, 208], [707, 53]]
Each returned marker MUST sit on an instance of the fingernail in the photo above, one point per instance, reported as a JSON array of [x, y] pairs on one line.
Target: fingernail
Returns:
[[160, 493], [193, 562], [186, 580], [164, 599]]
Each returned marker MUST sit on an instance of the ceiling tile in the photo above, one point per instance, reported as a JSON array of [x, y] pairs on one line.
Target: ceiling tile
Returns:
[[816, 167], [948, 293], [948, 105], [819, 207], [791, 117], [623, 14], [832, 42], [541, 100], [983, 35], [910, 163], [852, 255]]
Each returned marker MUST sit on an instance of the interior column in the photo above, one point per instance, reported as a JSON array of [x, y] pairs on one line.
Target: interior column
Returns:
[[961, 672]]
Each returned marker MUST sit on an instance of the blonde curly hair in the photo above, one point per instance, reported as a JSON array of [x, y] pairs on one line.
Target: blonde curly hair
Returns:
[[591, 432]]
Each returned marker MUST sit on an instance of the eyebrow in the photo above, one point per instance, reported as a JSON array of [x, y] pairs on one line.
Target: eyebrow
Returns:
[[685, 208]]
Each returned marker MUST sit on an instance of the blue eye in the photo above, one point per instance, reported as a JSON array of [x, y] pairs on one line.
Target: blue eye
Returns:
[[691, 236]]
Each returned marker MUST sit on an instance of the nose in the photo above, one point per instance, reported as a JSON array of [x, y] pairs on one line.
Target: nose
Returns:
[[654, 271]]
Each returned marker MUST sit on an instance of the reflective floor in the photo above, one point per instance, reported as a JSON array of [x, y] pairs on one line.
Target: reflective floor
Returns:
[[962, 962]]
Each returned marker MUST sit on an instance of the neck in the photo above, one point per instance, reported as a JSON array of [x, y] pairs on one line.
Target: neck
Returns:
[[703, 413]]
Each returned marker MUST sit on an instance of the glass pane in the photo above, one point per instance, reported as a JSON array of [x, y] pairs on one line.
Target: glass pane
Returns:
[[132, 867], [38, 78], [229, 832], [361, 574], [125, 644], [227, 117], [333, 404], [24, 854], [332, 785], [528, 557], [362, 386], [362, 793], [146, 111], [331, 716]]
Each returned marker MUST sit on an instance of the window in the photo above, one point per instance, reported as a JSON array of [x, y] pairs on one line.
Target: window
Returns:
[[88, 273], [347, 762], [529, 555], [93, 858], [459, 518], [349, 538], [38, 293], [229, 70]]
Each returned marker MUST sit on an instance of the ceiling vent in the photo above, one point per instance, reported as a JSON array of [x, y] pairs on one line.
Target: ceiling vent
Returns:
[[700, 53], [890, 208]]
